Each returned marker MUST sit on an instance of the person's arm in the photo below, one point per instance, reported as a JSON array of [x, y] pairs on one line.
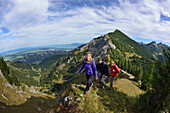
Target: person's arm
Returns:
[[95, 70], [82, 67]]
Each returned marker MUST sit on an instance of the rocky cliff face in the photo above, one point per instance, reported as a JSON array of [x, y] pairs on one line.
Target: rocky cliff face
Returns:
[[152, 44], [98, 47]]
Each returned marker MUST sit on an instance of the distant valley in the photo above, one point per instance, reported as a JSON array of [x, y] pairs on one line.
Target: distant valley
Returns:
[[30, 54]]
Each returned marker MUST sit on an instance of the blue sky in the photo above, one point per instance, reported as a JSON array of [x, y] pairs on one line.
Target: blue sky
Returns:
[[27, 23]]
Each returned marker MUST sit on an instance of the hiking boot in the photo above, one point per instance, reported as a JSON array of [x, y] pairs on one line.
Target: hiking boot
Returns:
[[86, 92]]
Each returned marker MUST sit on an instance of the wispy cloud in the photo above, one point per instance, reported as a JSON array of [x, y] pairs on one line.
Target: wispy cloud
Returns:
[[43, 22]]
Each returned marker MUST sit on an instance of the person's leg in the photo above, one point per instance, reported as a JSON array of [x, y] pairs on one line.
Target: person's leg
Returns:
[[89, 81], [114, 78], [100, 77], [102, 80], [87, 77], [111, 82]]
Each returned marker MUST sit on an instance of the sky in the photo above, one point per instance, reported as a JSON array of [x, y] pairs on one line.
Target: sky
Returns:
[[28, 23]]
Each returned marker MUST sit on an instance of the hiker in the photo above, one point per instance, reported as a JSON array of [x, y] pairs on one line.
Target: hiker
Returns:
[[90, 69], [114, 73], [103, 72]]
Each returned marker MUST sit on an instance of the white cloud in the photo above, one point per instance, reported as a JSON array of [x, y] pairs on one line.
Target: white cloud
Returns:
[[166, 14], [1, 31], [32, 24], [25, 12]]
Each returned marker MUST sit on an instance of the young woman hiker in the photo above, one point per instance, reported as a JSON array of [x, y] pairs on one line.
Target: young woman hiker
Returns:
[[90, 69], [102, 72], [114, 73]]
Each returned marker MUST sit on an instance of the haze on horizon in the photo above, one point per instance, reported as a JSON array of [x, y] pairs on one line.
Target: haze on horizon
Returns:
[[28, 23]]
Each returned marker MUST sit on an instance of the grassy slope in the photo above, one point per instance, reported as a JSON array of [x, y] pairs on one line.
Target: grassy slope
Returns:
[[48, 62], [30, 106], [26, 73], [128, 87], [122, 99], [21, 102], [13, 95]]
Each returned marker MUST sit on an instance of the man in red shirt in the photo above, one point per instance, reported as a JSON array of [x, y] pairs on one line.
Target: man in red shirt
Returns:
[[114, 72]]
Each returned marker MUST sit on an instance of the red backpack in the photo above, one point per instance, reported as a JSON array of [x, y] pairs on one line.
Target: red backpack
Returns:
[[117, 69]]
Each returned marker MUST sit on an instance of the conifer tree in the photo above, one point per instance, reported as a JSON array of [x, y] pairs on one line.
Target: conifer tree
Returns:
[[157, 98]]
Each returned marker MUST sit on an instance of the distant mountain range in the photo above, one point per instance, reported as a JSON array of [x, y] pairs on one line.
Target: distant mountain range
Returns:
[[156, 49], [30, 54], [73, 45], [38, 57]]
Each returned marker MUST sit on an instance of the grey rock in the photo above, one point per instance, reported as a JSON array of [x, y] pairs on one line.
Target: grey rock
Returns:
[[78, 99], [95, 93], [77, 85], [38, 108], [96, 88], [4, 97], [81, 95], [3, 107], [67, 101], [59, 99]]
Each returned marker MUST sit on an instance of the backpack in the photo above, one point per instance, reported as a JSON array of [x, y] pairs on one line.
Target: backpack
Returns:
[[104, 64], [117, 69]]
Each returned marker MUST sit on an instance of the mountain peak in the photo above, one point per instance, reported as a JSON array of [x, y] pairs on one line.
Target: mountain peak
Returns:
[[99, 46], [152, 43], [161, 44], [141, 43], [117, 30]]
